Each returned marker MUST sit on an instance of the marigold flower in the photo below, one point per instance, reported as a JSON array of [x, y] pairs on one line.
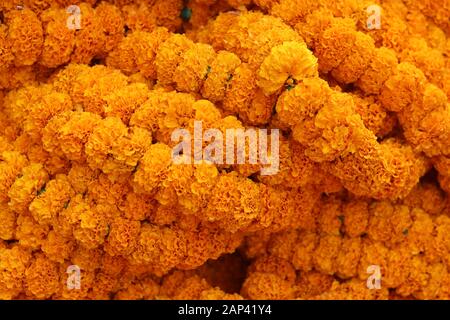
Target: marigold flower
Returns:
[[58, 247], [87, 161], [13, 265], [283, 64], [122, 237], [267, 286], [7, 229], [46, 206], [27, 187], [152, 169], [218, 78], [25, 36], [59, 41], [11, 165], [42, 278]]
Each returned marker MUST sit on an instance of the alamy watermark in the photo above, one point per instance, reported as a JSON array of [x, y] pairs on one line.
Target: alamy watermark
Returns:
[[374, 280], [240, 146], [374, 19], [73, 277], [73, 22]]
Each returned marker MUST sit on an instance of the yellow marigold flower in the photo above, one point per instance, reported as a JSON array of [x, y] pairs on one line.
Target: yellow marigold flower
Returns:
[[152, 169], [137, 207], [111, 20], [80, 177], [303, 101], [197, 14], [296, 169], [191, 73], [276, 34], [29, 232], [101, 142], [25, 35], [17, 77], [42, 278], [243, 193], [355, 64], [27, 187], [163, 215], [218, 79], [375, 117], [74, 133], [130, 149], [50, 133], [176, 183], [259, 285], [108, 190], [161, 248], [41, 112], [91, 86], [167, 13], [183, 285], [7, 228], [293, 11], [207, 242], [91, 228], [335, 43], [63, 79], [47, 205], [57, 247], [11, 165], [59, 41], [13, 264], [90, 39], [113, 146], [139, 289], [244, 98], [291, 61], [217, 294], [356, 217], [169, 55], [6, 56], [164, 112], [138, 16], [354, 289], [18, 102], [123, 102], [206, 112], [193, 194], [216, 29], [136, 53], [122, 237]]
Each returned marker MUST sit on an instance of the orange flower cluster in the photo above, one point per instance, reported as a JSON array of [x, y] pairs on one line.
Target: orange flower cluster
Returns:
[[88, 180], [335, 135], [37, 36], [409, 243]]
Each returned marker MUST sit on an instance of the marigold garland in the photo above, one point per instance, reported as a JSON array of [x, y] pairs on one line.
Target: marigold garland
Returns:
[[87, 177]]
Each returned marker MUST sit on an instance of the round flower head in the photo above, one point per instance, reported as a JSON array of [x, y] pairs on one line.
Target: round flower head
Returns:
[[11, 165], [50, 202], [194, 69], [152, 169], [219, 76], [59, 41], [170, 54], [291, 61], [27, 187], [25, 35]]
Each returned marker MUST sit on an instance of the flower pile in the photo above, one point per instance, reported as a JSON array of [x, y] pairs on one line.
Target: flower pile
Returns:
[[88, 180]]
